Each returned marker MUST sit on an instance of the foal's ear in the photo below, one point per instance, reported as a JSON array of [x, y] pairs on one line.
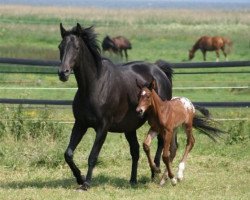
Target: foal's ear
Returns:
[[63, 31], [153, 85]]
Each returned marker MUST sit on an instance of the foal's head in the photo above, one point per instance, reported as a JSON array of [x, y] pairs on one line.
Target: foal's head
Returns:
[[145, 98]]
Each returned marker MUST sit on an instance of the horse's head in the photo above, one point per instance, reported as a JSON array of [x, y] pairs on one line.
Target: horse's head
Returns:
[[145, 100], [108, 44], [69, 51], [191, 54]]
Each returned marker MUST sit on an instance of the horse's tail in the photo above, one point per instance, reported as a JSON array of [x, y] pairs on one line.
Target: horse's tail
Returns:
[[166, 67], [228, 44], [206, 125]]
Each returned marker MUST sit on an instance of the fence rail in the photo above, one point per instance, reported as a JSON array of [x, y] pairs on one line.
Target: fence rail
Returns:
[[54, 63], [69, 102]]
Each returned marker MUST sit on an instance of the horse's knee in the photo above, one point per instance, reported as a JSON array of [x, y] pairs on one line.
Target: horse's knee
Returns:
[[68, 155]]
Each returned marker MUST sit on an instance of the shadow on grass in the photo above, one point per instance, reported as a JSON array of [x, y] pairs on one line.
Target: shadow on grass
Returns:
[[99, 180]]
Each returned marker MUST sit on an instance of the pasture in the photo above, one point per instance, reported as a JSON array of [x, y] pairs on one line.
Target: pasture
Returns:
[[33, 138]]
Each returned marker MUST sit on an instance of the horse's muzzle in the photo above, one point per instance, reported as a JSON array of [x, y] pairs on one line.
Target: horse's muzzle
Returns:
[[63, 75]]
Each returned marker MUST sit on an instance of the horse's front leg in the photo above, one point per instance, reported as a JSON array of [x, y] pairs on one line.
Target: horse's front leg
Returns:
[[134, 152], [146, 147], [77, 133], [99, 140], [166, 159]]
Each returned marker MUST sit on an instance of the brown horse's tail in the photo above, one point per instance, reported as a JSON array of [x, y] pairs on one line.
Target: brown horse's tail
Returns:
[[206, 125], [228, 45]]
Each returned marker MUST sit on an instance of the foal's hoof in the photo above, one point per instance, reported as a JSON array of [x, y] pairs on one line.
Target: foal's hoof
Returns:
[[173, 181]]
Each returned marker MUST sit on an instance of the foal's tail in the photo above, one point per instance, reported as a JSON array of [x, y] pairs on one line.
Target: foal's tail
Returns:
[[166, 67], [206, 125]]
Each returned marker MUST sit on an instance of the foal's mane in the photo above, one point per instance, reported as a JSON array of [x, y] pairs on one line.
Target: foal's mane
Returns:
[[89, 37]]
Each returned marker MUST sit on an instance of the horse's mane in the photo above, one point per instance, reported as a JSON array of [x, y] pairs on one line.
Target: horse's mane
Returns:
[[90, 38]]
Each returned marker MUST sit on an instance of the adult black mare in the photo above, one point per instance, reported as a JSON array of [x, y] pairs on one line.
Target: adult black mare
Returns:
[[107, 96]]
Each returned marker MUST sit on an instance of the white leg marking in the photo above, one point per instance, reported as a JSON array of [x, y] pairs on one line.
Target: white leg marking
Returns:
[[164, 177], [180, 171]]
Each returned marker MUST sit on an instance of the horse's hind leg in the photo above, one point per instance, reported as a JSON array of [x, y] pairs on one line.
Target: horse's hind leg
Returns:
[[134, 152], [224, 52], [77, 133], [189, 146]]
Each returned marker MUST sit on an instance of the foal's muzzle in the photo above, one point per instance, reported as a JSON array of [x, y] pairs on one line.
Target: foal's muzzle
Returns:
[[139, 111], [64, 75]]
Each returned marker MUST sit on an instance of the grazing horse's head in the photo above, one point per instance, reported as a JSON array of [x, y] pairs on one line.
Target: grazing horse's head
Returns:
[[145, 100], [191, 54], [109, 45], [69, 51]]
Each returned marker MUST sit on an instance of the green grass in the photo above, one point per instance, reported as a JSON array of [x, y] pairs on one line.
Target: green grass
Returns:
[[33, 139]]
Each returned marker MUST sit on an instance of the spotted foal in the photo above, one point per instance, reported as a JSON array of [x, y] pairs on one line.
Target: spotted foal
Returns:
[[163, 118]]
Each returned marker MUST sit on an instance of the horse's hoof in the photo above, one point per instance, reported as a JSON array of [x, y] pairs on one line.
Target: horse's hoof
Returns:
[[173, 181], [133, 182], [81, 180], [156, 169], [84, 187]]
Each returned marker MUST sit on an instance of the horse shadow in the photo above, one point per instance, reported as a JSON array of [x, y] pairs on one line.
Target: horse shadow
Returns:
[[69, 183]]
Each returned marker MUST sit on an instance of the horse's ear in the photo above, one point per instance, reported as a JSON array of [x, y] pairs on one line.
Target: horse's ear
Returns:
[[63, 31], [78, 29]]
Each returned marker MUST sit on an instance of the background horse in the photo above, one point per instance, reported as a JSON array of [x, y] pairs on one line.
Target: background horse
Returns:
[[206, 43], [163, 118], [107, 96], [116, 45]]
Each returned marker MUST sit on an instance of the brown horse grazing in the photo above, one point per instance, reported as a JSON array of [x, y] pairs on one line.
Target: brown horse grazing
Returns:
[[206, 43], [164, 117], [116, 45]]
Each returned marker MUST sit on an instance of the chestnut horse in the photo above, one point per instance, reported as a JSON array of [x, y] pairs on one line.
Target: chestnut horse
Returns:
[[206, 43], [116, 45], [164, 117]]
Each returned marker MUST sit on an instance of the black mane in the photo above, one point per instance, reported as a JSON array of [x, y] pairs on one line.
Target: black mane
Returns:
[[90, 39]]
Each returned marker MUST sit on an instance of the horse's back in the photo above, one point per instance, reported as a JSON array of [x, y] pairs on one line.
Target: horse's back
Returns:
[[122, 42]]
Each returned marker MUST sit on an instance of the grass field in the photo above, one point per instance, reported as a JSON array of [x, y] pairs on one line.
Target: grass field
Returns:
[[33, 139]]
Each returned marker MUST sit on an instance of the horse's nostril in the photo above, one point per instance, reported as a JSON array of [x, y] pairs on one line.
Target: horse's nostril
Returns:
[[66, 71]]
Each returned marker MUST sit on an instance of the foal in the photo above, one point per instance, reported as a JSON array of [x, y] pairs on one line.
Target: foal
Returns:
[[164, 117]]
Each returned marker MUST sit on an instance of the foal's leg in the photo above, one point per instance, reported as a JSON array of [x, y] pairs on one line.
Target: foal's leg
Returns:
[[77, 133], [166, 159], [134, 152], [189, 146], [146, 147]]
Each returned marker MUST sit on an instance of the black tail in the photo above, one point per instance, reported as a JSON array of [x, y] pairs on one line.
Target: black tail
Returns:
[[207, 126], [166, 67]]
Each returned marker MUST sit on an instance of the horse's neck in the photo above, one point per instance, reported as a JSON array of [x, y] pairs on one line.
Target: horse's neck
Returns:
[[196, 46], [86, 72]]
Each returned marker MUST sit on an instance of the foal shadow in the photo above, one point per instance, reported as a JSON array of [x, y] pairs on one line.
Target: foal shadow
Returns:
[[99, 180]]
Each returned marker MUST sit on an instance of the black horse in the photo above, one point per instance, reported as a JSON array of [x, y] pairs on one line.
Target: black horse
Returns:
[[106, 98]]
